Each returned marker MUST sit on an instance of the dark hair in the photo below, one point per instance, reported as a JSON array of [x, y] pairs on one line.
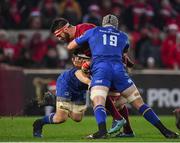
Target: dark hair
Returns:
[[58, 23]]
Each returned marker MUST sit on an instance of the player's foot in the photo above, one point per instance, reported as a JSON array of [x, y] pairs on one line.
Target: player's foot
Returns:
[[97, 135], [122, 135], [116, 126], [177, 115], [169, 134], [37, 128]]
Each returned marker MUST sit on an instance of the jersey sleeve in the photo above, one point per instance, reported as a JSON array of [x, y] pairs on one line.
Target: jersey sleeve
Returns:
[[126, 46], [84, 38]]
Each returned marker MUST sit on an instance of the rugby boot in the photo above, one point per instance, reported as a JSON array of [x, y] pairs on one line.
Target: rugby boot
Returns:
[[97, 135], [116, 126], [37, 128], [170, 134]]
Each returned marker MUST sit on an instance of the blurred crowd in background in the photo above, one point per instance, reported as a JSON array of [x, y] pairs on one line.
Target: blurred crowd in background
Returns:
[[153, 27]]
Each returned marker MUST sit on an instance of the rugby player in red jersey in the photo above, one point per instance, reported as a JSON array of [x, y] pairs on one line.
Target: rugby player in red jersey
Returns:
[[63, 30]]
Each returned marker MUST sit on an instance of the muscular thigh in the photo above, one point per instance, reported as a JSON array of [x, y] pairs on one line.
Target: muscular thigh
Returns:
[[131, 93]]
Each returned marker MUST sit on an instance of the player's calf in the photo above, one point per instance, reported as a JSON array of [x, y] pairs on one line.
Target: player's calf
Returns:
[[147, 112], [177, 115]]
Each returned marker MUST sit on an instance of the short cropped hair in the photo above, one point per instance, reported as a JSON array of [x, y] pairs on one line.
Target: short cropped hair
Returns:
[[58, 23]]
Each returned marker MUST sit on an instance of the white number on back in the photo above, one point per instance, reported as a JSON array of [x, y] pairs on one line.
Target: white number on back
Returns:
[[112, 40]]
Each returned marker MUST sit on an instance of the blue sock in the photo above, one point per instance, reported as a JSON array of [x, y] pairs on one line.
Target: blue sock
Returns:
[[48, 119], [100, 114], [149, 114]]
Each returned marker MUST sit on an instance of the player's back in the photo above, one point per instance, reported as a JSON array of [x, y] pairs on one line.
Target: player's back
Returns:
[[107, 43], [81, 28], [73, 88]]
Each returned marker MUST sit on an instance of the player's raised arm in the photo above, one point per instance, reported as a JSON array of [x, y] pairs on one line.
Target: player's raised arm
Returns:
[[80, 40], [72, 45]]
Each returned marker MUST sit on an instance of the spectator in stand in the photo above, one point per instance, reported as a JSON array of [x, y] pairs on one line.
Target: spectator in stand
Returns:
[[93, 16], [3, 5], [142, 14], [165, 14], [144, 38], [167, 54], [13, 16], [176, 52], [25, 7], [176, 5], [38, 49], [118, 10], [20, 46], [51, 59], [7, 49], [176, 10], [106, 6], [70, 10], [22, 52], [35, 19], [48, 13], [150, 50]]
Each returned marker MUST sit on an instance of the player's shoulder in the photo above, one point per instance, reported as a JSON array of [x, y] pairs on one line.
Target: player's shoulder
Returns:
[[123, 34], [86, 26]]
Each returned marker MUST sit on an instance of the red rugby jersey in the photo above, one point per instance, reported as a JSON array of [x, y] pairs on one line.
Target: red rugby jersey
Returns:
[[81, 28]]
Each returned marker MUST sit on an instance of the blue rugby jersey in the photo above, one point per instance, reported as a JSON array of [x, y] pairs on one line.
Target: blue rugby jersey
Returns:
[[71, 88], [106, 43]]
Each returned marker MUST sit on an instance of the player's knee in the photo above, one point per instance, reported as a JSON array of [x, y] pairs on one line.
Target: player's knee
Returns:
[[132, 94], [99, 94], [77, 117], [137, 103], [60, 118]]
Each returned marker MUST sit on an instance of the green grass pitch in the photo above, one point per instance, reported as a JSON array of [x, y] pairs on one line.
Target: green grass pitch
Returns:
[[19, 129]]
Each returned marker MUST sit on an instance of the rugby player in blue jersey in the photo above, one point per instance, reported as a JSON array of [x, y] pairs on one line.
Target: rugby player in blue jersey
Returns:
[[71, 87], [107, 45]]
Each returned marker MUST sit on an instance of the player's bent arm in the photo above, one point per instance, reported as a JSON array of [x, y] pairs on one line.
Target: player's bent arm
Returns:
[[72, 45], [82, 77]]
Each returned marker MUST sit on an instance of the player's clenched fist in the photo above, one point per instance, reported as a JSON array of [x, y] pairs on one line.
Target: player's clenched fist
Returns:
[[86, 67]]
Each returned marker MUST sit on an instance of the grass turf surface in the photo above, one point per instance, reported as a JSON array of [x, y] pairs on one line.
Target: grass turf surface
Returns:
[[19, 129]]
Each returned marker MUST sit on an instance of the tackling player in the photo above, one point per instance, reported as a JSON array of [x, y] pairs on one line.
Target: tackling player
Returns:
[[67, 32], [71, 89], [107, 45]]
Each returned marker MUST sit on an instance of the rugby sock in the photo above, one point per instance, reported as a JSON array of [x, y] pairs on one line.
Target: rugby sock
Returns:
[[149, 114], [127, 127], [100, 115], [112, 109], [48, 119]]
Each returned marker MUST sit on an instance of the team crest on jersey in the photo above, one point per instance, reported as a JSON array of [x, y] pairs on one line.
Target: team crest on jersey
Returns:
[[66, 93], [130, 81]]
